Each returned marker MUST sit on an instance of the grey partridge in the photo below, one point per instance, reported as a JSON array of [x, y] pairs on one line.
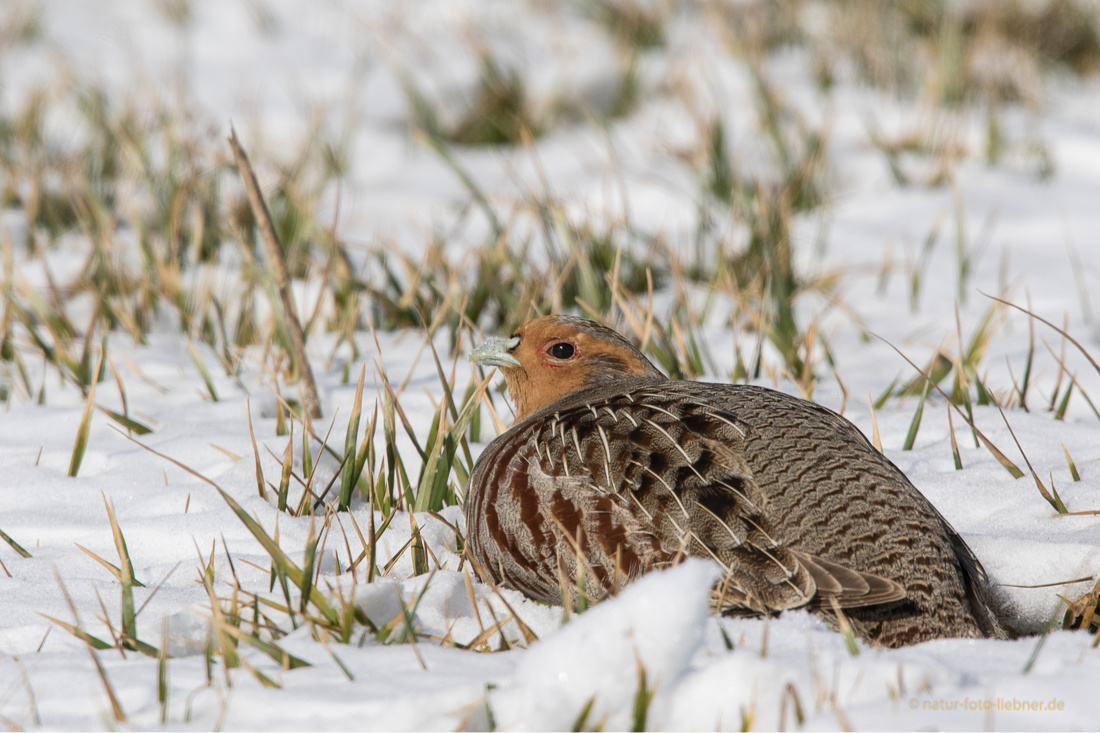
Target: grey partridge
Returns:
[[612, 470]]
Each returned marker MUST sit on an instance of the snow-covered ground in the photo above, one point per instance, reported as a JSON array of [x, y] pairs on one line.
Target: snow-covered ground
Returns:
[[1030, 225]]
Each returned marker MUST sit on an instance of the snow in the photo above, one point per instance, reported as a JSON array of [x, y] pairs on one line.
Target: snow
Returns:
[[267, 66]]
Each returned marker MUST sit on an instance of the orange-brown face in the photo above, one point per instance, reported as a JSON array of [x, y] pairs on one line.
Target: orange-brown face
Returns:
[[552, 357]]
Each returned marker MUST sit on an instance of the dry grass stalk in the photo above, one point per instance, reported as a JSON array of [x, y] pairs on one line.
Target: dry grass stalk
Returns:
[[311, 403]]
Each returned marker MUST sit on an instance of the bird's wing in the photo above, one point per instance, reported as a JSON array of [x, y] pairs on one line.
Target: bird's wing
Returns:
[[637, 480]]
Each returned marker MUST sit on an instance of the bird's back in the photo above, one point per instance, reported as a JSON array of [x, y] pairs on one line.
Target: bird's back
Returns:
[[833, 495]]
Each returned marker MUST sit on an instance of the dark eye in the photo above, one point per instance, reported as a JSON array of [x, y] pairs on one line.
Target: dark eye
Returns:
[[562, 350]]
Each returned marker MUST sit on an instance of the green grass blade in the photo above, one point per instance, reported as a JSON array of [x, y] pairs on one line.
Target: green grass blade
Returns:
[[306, 586], [582, 716], [1054, 500], [79, 633], [203, 371], [260, 485], [127, 422], [419, 553], [349, 475], [643, 698], [81, 444], [1072, 467], [13, 544], [283, 658], [307, 455], [125, 578], [954, 443], [914, 425], [1060, 413], [284, 477], [162, 672]]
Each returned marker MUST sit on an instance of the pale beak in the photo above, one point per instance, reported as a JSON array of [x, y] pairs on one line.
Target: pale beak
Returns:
[[494, 352]]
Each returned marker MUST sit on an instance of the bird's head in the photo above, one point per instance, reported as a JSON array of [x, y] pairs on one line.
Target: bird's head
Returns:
[[552, 357]]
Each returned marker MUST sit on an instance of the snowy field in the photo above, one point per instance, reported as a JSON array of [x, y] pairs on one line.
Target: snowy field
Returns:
[[917, 223]]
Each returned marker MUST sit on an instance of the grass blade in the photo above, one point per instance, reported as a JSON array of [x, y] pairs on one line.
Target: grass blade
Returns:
[[306, 586], [260, 487], [16, 546], [1044, 321], [284, 477], [1060, 413], [1072, 467], [876, 438], [203, 371], [643, 698], [1055, 501], [914, 425], [126, 576], [162, 672], [81, 444], [349, 475], [79, 633], [954, 443]]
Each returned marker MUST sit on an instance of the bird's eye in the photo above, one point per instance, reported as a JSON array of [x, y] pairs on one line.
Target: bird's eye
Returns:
[[562, 350]]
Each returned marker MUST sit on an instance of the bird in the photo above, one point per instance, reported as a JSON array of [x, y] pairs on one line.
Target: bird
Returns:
[[612, 470]]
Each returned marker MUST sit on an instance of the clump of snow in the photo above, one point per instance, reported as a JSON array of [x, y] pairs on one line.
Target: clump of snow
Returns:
[[654, 626]]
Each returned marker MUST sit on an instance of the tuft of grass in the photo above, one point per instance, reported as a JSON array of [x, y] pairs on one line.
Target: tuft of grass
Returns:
[[498, 111], [1065, 335], [441, 448], [1005, 462], [637, 26], [965, 367], [759, 275], [126, 638], [922, 156], [890, 46], [246, 617]]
